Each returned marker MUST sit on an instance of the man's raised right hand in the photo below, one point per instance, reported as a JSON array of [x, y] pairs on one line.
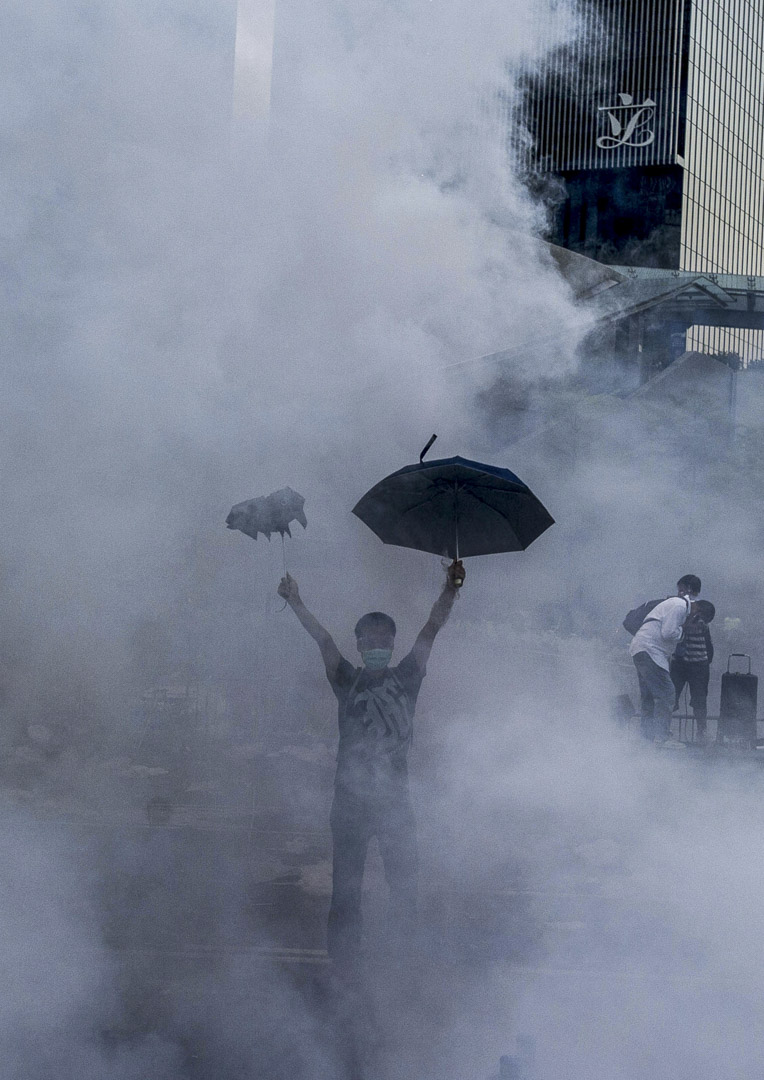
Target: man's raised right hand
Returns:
[[288, 590]]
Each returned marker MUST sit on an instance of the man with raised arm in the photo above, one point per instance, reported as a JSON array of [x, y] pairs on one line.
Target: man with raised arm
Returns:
[[371, 792]]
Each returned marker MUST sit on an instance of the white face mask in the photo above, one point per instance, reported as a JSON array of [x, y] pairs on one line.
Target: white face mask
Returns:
[[376, 659]]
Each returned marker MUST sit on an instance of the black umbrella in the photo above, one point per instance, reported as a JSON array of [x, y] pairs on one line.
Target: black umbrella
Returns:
[[454, 507], [268, 514]]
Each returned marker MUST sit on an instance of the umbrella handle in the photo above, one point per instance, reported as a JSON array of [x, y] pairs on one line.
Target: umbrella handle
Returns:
[[457, 565], [283, 551], [458, 581]]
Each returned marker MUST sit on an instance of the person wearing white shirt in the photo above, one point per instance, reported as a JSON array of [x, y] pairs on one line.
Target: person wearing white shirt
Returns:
[[651, 649]]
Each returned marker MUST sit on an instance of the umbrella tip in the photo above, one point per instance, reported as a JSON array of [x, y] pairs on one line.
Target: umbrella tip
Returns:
[[429, 444]]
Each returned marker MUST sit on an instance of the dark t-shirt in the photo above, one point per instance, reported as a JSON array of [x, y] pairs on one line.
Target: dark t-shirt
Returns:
[[376, 718]]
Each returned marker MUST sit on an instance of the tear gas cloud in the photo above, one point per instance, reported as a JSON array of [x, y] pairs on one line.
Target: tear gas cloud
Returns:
[[181, 338]]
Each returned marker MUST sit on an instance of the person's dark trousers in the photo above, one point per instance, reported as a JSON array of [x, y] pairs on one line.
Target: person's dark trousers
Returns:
[[656, 692], [354, 821], [695, 674]]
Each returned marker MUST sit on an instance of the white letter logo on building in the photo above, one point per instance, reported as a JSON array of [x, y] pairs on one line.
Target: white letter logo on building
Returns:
[[630, 124]]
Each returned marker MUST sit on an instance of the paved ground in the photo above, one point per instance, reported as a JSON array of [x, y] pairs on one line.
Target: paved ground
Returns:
[[210, 901]]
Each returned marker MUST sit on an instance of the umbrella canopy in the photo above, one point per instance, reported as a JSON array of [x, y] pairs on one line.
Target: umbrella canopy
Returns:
[[454, 507], [268, 513]]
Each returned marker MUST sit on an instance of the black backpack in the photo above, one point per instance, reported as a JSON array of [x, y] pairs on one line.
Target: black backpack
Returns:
[[637, 615]]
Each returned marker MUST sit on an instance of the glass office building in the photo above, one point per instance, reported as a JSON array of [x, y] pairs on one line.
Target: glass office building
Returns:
[[653, 123], [723, 200]]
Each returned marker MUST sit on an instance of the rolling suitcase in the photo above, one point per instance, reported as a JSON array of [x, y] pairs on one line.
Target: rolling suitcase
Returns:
[[737, 708]]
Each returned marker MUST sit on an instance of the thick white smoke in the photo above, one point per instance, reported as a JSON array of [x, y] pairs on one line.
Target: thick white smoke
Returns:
[[182, 335]]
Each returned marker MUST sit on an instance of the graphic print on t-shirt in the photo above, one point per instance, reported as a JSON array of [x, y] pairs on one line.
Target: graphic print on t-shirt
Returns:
[[383, 711], [376, 713]]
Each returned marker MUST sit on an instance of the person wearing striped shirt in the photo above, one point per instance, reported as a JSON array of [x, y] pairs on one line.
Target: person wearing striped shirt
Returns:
[[691, 662]]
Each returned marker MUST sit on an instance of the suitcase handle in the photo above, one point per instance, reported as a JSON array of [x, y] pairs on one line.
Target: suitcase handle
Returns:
[[744, 656]]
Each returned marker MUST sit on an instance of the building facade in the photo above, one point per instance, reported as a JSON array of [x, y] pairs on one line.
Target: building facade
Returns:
[[652, 124], [723, 197]]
